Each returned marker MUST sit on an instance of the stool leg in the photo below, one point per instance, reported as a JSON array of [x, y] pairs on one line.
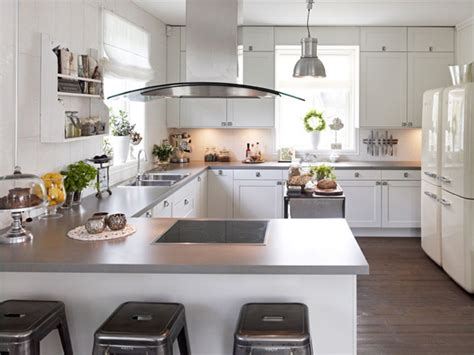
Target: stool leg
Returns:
[[63, 330], [183, 341]]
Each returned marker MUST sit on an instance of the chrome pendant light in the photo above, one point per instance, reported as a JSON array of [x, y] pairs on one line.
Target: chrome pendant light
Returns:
[[309, 63]]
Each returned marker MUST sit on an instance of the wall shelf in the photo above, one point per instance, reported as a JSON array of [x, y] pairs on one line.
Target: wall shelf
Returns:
[[54, 104]]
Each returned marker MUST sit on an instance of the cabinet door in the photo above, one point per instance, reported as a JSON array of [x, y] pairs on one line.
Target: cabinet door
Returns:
[[258, 38], [363, 203], [219, 193], [430, 39], [163, 209], [201, 196], [426, 71], [203, 113], [258, 199], [383, 39], [401, 204], [383, 90]]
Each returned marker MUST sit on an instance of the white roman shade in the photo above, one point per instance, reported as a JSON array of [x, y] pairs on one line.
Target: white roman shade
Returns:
[[126, 49]]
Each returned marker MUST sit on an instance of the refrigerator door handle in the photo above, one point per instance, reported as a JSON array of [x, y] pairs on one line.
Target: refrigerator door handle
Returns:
[[444, 202], [444, 179], [431, 175], [432, 195]]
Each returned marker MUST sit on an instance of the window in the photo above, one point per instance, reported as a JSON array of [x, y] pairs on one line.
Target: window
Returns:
[[126, 50], [337, 95]]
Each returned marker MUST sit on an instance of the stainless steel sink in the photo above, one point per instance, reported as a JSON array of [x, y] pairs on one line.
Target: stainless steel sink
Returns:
[[155, 180]]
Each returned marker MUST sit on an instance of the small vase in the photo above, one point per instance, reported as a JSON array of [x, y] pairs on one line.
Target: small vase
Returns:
[[121, 148], [315, 138], [68, 203], [76, 199]]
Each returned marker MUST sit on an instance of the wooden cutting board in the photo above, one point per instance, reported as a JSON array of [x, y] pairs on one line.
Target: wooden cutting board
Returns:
[[329, 192]]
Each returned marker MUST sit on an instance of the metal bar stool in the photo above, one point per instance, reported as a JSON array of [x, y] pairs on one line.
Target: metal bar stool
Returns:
[[143, 328], [273, 328], [23, 324]]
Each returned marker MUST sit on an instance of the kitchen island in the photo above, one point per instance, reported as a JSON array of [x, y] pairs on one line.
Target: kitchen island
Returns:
[[311, 261]]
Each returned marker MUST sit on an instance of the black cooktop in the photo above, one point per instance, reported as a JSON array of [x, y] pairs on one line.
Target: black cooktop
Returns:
[[216, 231]]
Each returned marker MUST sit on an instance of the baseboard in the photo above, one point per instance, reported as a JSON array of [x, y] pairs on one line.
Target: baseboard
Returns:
[[386, 232]]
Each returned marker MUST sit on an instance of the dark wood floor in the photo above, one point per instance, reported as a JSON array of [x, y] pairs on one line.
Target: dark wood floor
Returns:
[[408, 305]]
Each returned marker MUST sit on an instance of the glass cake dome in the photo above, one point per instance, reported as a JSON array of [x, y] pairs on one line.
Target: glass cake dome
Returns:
[[20, 193]]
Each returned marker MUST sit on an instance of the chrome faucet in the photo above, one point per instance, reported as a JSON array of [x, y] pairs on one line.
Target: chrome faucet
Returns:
[[139, 177]]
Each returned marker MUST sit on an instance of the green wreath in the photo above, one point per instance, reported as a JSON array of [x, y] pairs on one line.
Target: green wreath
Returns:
[[314, 121]]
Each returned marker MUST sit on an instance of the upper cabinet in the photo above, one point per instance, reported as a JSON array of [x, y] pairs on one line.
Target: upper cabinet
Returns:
[[383, 39], [430, 39], [258, 39]]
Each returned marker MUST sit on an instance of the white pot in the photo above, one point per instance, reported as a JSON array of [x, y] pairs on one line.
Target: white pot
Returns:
[[121, 147], [315, 138]]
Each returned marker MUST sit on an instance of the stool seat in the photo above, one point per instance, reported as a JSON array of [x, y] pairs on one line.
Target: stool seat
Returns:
[[271, 327], [23, 323], [139, 326]]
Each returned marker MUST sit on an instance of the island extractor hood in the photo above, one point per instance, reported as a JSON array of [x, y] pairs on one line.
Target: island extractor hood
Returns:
[[211, 58]]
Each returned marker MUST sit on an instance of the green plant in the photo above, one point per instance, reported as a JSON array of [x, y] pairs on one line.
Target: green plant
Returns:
[[78, 176], [107, 148], [323, 172], [314, 121], [119, 124], [163, 151]]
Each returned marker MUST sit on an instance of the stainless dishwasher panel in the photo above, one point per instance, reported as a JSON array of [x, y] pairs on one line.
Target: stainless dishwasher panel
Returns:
[[316, 207]]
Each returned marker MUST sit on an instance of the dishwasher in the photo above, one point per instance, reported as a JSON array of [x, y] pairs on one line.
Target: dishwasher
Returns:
[[303, 204]]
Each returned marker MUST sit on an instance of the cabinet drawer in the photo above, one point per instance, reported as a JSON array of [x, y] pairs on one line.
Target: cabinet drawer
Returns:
[[184, 208], [430, 39], [383, 39], [255, 174], [358, 174], [163, 209], [401, 175]]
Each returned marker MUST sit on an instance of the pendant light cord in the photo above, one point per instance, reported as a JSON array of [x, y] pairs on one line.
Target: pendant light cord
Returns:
[[17, 75], [307, 23]]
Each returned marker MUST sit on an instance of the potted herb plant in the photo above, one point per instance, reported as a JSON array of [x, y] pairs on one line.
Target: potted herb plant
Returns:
[[121, 129], [162, 153], [78, 176], [314, 123], [322, 171]]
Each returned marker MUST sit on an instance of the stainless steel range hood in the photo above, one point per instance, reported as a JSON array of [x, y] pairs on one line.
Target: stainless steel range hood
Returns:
[[211, 58]]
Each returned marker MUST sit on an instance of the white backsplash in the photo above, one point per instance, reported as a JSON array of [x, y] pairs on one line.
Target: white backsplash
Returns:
[[408, 148]]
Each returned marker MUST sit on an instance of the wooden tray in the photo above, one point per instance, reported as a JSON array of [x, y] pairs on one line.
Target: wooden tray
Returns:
[[329, 192]]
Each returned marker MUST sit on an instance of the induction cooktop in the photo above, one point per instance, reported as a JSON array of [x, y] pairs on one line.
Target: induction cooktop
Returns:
[[215, 232]]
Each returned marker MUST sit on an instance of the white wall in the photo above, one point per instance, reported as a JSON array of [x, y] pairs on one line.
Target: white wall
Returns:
[[465, 42], [77, 25]]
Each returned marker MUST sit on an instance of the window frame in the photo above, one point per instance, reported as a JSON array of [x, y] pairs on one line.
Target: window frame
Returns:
[[354, 52]]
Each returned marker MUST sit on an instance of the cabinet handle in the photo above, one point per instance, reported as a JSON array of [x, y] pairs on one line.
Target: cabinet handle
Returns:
[[148, 214], [444, 202], [250, 48], [279, 183], [186, 201], [223, 124], [431, 175], [221, 172], [384, 48], [384, 183], [405, 175], [378, 183], [404, 124], [444, 179], [432, 195], [229, 124], [199, 179], [257, 174], [410, 124], [166, 204], [431, 48], [356, 175]]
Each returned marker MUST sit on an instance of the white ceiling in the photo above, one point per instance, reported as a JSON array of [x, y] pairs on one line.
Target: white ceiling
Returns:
[[332, 12]]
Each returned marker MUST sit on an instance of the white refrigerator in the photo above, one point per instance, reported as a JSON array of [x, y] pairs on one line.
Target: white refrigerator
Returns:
[[431, 170], [457, 184]]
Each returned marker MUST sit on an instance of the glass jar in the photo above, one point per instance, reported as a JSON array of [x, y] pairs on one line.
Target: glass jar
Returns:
[[56, 194], [215, 156], [208, 156], [224, 156], [72, 125]]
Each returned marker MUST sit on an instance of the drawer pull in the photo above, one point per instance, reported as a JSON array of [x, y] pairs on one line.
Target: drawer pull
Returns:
[[431, 195], [199, 179], [405, 175], [148, 214], [444, 202], [223, 124], [384, 48], [186, 201], [166, 204], [384, 183], [257, 174], [431, 48], [378, 183], [221, 172], [356, 175]]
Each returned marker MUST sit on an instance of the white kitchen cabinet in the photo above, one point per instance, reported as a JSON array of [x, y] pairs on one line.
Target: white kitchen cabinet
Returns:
[[363, 203], [383, 90], [258, 38], [173, 73], [430, 39], [259, 199], [164, 209], [383, 39], [185, 207], [201, 196], [219, 193], [203, 113], [425, 71], [401, 204]]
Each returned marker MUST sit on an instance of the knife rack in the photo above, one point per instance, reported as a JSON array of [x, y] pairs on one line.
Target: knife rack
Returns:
[[379, 145]]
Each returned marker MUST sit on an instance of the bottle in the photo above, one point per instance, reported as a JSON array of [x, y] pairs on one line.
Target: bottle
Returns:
[[247, 152], [257, 151]]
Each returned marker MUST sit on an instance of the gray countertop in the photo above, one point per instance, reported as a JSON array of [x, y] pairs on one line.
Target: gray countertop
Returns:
[[304, 246]]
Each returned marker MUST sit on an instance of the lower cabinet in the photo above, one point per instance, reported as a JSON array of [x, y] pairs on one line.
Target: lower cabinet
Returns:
[[219, 193], [401, 204], [163, 209], [201, 196], [255, 199], [363, 203]]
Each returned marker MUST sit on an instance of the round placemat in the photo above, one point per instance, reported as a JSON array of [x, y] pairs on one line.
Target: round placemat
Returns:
[[80, 233]]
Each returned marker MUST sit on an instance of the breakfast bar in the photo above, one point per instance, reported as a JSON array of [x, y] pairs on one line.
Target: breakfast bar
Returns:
[[314, 262]]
